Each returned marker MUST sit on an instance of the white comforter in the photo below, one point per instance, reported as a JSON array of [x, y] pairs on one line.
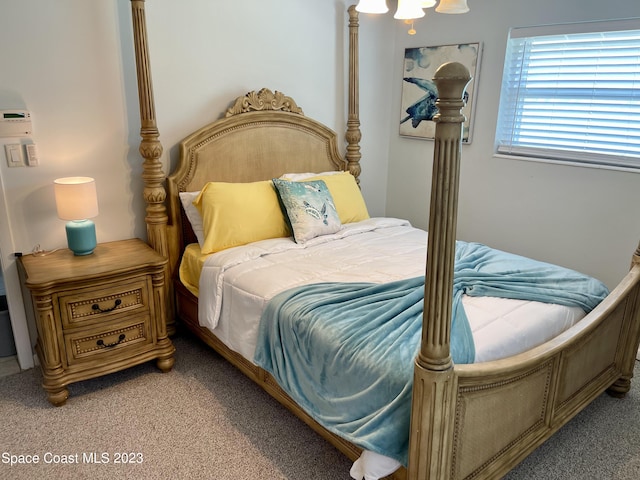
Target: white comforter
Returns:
[[235, 285], [243, 279]]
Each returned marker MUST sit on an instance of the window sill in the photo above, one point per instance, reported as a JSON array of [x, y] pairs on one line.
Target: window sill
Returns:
[[568, 163]]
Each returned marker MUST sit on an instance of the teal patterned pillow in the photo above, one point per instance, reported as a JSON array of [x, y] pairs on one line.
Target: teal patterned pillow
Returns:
[[309, 208]]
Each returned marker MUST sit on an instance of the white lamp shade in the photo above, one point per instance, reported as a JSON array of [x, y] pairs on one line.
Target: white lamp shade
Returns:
[[76, 198], [372, 6], [452, 6], [408, 10]]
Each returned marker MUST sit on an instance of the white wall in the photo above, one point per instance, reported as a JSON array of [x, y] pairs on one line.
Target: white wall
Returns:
[[205, 53], [61, 61], [583, 218], [76, 73]]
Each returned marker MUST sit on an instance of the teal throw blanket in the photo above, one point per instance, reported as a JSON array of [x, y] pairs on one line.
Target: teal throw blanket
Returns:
[[345, 351]]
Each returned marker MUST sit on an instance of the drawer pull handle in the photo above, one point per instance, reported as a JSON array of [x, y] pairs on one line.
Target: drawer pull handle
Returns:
[[109, 345], [96, 307]]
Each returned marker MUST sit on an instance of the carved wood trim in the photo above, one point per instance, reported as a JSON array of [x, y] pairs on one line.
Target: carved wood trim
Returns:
[[263, 100], [353, 135], [433, 370], [151, 150], [451, 80]]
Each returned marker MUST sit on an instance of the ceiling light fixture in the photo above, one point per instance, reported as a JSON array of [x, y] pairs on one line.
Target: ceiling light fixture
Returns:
[[409, 10]]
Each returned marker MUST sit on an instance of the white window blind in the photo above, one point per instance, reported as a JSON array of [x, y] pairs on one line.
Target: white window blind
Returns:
[[572, 96]]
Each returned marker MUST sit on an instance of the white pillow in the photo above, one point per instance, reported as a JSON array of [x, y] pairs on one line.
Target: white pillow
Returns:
[[297, 177], [195, 219]]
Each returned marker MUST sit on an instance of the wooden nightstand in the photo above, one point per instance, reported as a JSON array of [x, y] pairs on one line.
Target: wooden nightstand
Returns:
[[97, 314]]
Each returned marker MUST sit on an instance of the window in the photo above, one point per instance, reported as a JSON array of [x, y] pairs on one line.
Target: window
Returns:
[[572, 93]]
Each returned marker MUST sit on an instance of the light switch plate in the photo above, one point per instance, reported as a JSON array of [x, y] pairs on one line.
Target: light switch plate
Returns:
[[15, 155], [32, 155]]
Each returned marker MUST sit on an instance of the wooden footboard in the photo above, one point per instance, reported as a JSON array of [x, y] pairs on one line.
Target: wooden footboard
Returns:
[[506, 409]]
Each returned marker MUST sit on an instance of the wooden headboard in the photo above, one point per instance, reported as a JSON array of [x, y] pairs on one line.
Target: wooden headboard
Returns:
[[263, 135], [264, 139]]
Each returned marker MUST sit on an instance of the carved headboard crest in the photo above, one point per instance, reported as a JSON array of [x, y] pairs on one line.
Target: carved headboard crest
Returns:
[[265, 99]]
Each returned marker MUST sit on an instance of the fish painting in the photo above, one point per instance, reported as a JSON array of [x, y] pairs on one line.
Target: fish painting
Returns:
[[420, 93], [425, 108]]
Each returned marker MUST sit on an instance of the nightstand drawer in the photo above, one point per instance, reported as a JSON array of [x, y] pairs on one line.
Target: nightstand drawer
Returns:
[[104, 301], [81, 346]]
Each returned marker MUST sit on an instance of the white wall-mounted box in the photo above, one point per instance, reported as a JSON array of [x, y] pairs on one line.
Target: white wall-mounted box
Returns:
[[15, 123]]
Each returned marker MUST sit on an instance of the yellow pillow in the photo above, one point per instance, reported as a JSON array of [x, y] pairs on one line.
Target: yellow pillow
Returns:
[[235, 214], [347, 196]]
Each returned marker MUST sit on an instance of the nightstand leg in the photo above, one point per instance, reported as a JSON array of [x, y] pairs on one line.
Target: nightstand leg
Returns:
[[49, 356], [165, 364], [57, 396]]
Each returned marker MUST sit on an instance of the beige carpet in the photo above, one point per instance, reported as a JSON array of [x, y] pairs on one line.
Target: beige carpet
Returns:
[[205, 420]]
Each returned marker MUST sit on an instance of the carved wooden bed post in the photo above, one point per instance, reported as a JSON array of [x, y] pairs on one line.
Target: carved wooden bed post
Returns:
[[353, 135], [151, 150], [434, 380]]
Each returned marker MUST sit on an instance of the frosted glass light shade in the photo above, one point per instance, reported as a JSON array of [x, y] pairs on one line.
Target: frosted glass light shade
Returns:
[[77, 201], [76, 198], [408, 10], [452, 6], [372, 6]]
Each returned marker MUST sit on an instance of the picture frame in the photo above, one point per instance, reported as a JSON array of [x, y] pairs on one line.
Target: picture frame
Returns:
[[419, 93]]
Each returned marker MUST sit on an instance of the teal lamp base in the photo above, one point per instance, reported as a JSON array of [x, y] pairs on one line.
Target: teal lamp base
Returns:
[[81, 236]]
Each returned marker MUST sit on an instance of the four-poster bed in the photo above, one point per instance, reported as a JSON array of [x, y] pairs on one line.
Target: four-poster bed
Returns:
[[467, 421]]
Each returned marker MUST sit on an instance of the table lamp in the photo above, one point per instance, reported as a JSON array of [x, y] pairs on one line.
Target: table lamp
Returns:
[[77, 201]]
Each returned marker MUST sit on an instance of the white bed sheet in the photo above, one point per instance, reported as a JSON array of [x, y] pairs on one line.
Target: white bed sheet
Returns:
[[236, 284]]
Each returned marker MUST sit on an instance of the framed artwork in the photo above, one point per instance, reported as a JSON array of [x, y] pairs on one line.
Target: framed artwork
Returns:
[[419, 93]]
